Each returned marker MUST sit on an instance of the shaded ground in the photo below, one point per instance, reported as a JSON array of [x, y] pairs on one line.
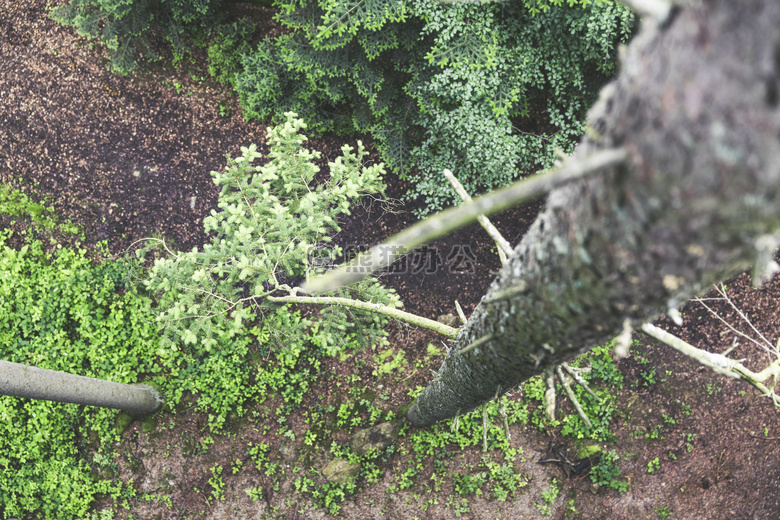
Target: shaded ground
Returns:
[[129, 157]]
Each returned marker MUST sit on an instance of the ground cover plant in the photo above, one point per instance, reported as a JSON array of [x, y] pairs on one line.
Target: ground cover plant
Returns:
[[718, 457], [489, 91], [61, 312], [129, 30]]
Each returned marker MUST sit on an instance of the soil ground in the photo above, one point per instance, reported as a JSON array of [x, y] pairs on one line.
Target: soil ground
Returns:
[[129, 158]]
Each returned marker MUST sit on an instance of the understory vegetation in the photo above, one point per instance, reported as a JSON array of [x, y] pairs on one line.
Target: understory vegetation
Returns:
[[488, 90], [244, 361]]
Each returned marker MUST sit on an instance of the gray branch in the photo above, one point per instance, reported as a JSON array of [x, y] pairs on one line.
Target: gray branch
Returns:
[[447, 221], [37, 383]]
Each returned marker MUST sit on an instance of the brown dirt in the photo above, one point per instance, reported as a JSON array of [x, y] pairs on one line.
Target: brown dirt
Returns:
[[129, 157]]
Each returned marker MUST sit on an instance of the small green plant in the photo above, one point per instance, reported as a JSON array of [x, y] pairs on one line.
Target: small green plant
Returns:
[[607, 472], [272, 229], [468, 484], [603, 365], [663, 512], [503, 478], [656, 433], [255, 493], [216, 483], [654, 465], [458, 507], [258, 453], [712, 389], [549, 496], [22, 206], [648, 377], [388, 363], [671, 421], [689, 440]]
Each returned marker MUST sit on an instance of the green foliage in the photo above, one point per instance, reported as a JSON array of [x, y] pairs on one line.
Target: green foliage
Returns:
[[272, 229], [602, 377], [216, 483], [387, 362], [126, 27], [60, 312], [603, 365], [607, 473], [548, 496], [467, 484], [226, 49], [486, 90], [654, 465], [500, 478], [16, 204]]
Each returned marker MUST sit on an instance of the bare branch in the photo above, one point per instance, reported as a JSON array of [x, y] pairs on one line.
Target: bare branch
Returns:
[[371, 307], [549, 395], [572, 397], [719, 363], [503, 244], [461, 314], [733, 329], [444, 222], [580, 381]]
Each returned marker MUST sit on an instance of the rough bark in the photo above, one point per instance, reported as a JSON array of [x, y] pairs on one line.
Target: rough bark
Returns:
[[696, 105], [36, 383]]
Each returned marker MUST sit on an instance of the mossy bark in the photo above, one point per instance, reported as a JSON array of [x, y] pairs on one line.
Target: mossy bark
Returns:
[[696, 106], [37, 383]]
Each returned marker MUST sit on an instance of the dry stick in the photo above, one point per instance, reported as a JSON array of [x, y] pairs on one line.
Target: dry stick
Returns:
[[741, 314], [504, 247], [719, 363], [484, 427], [461, 314], [572, 397], [580, 381], [442, 223], [729, 325], [371, 307], [502, 411], [549, 395]]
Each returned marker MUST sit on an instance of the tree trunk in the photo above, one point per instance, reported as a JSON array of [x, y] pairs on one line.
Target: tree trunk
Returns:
[[696, 107], [36, 383]]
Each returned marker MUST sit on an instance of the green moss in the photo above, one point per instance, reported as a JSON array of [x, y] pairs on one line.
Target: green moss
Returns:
[[588, 450], [123, 422], [148, 424]]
